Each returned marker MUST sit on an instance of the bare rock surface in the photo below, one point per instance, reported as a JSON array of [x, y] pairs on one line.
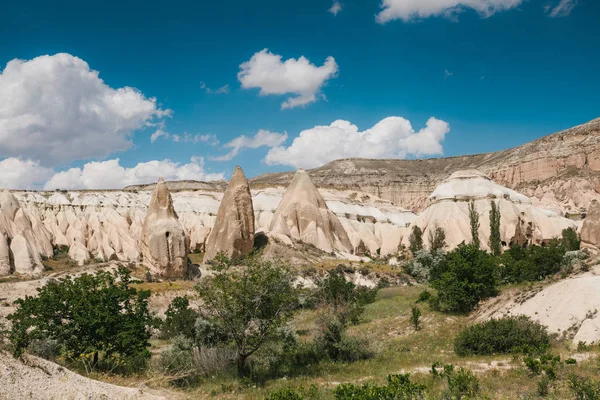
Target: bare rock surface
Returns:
[[38, 379], [590, 231], [233, 230], [303, 215], [163, 243]]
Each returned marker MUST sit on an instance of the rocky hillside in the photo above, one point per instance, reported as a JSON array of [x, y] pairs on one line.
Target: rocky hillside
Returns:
[[560, 171]]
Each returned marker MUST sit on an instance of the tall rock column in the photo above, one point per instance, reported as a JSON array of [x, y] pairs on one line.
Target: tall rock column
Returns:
[[163, 243], [233, 231], [303, 214], [590, 231]]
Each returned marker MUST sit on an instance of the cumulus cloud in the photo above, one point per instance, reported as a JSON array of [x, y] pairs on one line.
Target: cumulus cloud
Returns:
[[55, 109], [267, 72], [16, 173], [111, 175], [409, 10], [263, 138], [562, 9], [392, 137], [185, 137], [335, 8]]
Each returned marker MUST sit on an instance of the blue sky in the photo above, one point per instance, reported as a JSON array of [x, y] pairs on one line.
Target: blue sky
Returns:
[[498, 75]]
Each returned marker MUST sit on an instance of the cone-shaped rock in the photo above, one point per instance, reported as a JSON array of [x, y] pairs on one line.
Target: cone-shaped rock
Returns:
[[303, 215], [5, 267], [590, 231], [163, 244], [233, 231]]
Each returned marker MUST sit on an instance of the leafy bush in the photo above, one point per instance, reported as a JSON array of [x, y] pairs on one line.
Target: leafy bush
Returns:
[[284, 394], [422, 263], [502, 336], [462, 383], [466, 276], [415, 239], [343, 297], [180, 319], [399, 387], [97, 319], [531, 264], [437, 239], [424, 296], [248, 302], [332, 340], [571, 240], [584, 388]]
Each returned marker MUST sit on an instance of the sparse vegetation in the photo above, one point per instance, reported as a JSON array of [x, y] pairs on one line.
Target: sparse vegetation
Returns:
[[437, 239], [415, 318], [415, 239]]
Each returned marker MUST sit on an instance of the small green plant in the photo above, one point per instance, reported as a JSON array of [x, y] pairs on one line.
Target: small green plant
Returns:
[[399, 387], [570, 361], [584, 388], [415, 318], [543, 386], [424, 296], [462, 383]]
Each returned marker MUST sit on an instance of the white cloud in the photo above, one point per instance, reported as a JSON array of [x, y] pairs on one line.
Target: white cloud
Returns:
[[268, 73], [263, 138], [335, 8], [111, 175], [562, 9], [222, 90], [408, 10], [16, 173], [185, 137], [393, 137], [55, 109]]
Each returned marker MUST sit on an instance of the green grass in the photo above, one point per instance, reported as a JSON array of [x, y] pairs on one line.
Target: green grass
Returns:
[[399, 349]]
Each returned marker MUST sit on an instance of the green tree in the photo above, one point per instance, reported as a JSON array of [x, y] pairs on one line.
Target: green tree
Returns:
[[415, 318], [437, 239], [99, 318], [474, 222], [571, 240], [495, 239], [248, 302], [180, 319], [415, 239], [467, 276]]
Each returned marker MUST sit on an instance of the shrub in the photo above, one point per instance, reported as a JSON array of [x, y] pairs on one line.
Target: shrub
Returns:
[[284, 394], [345, 299], [399, 387], [97, 319], [531, 264], [437, 239], [584, 388], [415, 318], [424, 296], [249, 303], [415, 239], [462, 383], [466, 276], [180, 319], [570, 239], [422, 263], [502, 336], [332, 340]]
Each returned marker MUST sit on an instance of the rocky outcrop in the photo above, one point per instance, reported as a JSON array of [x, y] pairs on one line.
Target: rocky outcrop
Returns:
[[520, 220], [233, 230], [23, 239], [559, 172], [303, 215], [590, 231], [163, 243]]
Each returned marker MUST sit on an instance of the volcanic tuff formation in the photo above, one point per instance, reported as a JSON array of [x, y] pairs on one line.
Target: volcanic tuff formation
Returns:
[[590, 231], [303, 215], [233, 230], [163, 243], [520, 221], [560, 172]]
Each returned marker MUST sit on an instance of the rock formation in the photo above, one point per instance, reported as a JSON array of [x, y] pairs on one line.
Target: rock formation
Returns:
[[303, 215], [233, 230], [560, 172], [23, 239], [163, 243], [520, 220], [590, 231]]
